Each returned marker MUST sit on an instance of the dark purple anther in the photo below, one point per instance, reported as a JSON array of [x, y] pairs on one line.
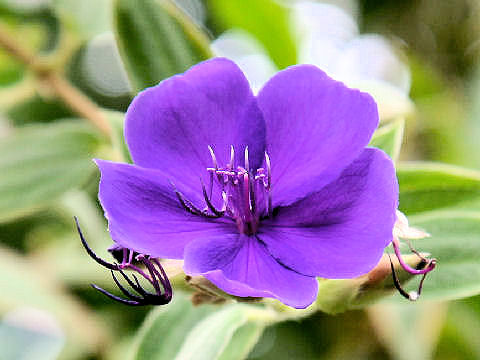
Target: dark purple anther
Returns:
[[131, 260]]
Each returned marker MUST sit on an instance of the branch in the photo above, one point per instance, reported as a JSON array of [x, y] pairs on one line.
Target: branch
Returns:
[[70, 95]]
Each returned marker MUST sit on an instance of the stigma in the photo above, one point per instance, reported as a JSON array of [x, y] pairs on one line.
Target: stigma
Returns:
[[244, 192]]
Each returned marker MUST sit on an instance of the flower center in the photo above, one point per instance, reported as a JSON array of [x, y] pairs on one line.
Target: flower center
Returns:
[[245, 193]]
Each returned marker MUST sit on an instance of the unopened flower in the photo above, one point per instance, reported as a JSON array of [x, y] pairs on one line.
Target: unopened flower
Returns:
[[259, 194]]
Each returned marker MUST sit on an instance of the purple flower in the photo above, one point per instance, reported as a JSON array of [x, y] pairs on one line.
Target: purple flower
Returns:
[[258, 194]]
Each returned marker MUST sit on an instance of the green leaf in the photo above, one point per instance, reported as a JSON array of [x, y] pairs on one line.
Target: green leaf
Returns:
[[242, 342], [455, 243], [429, 186], [208, 339], [42, 162], [156, 40], [87, 17], [35, 109], [389, 138], [267, 20], [182, 331], [460, 334], [166, 327]]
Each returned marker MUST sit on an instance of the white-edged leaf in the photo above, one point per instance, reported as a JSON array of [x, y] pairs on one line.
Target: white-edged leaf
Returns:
[[431, 186], [39, 163]]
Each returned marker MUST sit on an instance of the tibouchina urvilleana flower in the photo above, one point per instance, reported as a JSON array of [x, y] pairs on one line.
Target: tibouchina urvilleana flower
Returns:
[[259, 194]]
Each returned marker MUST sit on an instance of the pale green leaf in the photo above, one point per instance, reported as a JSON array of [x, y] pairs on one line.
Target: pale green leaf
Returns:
[[208, 339], [430, 186], [40, 163], [242, 342], [182, 331], [166, 328]]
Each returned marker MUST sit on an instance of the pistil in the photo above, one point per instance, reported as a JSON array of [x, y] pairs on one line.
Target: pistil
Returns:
[[242, 191]]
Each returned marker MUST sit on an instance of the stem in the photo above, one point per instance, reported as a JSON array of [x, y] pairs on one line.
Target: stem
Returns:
[[70, 95], [78, 102]]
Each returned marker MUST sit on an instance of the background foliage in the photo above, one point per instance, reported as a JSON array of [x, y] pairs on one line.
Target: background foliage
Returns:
[[69, 69]]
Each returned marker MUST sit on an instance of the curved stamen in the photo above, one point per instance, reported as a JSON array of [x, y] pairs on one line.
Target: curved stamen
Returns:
[[90, 251], [163, 276], [156, 277], [430, 266], [396, 282], [117, 298], [218, 213], [192, 209], [122, 289], [187, 206], [412, 295]]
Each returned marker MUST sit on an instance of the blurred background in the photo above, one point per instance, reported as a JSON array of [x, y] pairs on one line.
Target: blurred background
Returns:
[[63, 88]]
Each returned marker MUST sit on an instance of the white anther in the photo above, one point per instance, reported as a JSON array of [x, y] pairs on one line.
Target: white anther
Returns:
[[413, 296], [214, 158], [268, 169], [232, 157], [247, 167]]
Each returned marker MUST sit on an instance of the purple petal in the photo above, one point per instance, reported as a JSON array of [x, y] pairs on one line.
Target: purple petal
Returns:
[[342, 230], [315, 127], [171, 125], [242, 266], [144, 213]]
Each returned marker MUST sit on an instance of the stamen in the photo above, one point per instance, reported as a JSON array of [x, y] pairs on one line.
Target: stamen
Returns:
[[241, 189], [210, 206], [232, 157], [247, 165], [214, 158], [189, 207], [396, 282], [90, 251], [192, 209], [117, 298], [412, 295], [269, 171], [161, 296], [123, 289], [431, 263], [269, 185]]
